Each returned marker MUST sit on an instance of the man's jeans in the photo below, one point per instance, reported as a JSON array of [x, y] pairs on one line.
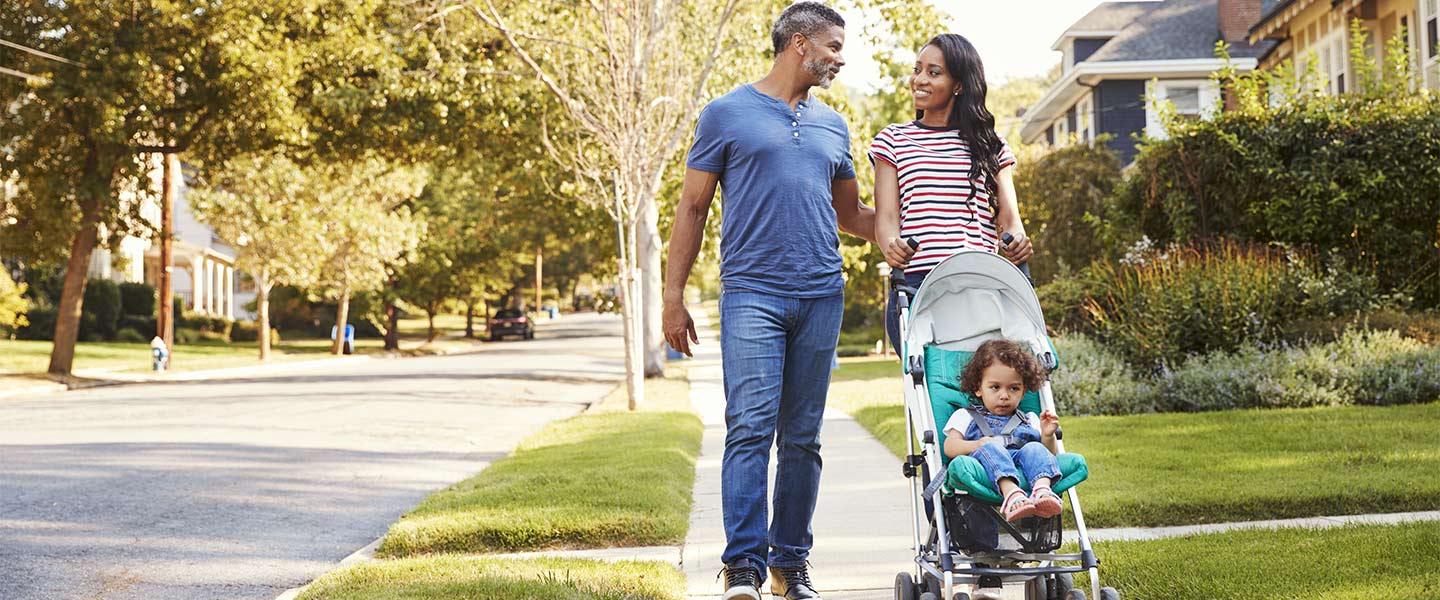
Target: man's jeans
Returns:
[[776, 352], [1034, 459]]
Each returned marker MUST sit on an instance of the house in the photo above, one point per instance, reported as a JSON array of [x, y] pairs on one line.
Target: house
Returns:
[[1122, 54], [1299, 28], [203, 273]]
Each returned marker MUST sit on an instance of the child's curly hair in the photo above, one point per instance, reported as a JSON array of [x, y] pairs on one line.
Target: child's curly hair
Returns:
[[1011, 354]]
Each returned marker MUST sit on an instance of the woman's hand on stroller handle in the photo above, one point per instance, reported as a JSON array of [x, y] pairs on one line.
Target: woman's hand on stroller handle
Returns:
[[898, 251], [1017, 249]]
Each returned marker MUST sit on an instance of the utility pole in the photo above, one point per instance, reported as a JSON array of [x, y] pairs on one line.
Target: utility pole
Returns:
[[165, 323], [539, 264]]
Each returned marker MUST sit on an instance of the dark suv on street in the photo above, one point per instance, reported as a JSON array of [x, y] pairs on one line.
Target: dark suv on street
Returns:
[[511, 321]]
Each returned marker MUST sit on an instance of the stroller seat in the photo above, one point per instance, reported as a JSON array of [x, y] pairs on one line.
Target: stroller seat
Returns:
[[943, 368]]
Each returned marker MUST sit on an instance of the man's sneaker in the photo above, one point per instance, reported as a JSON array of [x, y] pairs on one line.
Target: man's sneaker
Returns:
[[742, 582], [792, 583]]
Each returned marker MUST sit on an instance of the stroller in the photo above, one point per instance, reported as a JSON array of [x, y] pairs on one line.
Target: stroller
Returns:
[[959, 536]]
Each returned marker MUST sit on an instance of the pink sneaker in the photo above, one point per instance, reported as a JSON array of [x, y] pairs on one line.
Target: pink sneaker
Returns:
[[1017, 506], [1047, 504]]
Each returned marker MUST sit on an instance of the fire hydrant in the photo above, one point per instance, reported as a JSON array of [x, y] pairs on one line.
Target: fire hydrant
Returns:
[[160, 353]]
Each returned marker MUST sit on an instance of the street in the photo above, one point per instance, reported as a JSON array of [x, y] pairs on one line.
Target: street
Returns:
[[243, 488]]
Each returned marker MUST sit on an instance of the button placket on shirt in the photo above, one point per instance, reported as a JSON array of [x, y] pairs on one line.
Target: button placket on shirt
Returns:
[[795, 122]]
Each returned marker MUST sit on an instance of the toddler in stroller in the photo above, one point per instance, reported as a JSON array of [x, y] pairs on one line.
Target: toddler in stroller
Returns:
[[966, 533]]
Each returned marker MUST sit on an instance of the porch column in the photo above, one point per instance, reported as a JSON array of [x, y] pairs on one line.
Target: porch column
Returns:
[[197, 283], [218, 291], [229, 292]]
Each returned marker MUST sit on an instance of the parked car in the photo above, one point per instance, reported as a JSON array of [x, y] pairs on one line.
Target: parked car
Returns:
[[511, 321]]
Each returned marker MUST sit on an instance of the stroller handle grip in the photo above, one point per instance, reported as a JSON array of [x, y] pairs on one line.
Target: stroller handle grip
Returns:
[[1006, 238]]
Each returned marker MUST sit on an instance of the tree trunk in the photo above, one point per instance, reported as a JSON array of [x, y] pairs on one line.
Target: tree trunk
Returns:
[[539, 267], [470, 319], [430, 337], [634, 312], [392, 326], [651, 292], [72, 295], [342, 316], [392, 319], [262, 316]]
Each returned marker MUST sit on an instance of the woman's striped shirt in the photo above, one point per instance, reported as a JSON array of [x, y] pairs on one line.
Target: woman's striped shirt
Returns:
[[936, 207]]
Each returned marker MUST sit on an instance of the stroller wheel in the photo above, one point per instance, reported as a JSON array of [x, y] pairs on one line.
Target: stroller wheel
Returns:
[[1109, 593], [904, 587], [927, 596], [1060, 588], [1037, 589], [1075, 595]]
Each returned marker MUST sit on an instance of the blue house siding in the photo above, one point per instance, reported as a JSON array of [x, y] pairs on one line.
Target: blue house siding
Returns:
[[1084, 48], [1120, 112]]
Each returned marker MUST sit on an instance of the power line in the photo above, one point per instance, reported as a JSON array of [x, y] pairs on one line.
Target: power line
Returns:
[[41, 54]]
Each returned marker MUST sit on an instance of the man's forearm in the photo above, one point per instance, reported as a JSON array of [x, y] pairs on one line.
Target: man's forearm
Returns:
[[685, 238], [861, 223]]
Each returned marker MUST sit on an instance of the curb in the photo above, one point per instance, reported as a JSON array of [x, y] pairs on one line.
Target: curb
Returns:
[[363, 555]]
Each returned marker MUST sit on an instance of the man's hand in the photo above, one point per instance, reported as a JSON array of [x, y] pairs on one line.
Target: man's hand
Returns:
[[1049, 422], [679, 328], [1019, 250], [897, 252]]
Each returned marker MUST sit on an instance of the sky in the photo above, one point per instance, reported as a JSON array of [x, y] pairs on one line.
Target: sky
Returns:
[[1013, 36]]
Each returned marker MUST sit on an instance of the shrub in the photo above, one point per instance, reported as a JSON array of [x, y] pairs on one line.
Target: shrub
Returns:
[[249, 331], [142, 325], [101, 310], [1164, 306], [1358, 368], [137, 299], [186, 335], [13, 304], [126, 334], [1091, 380], [1063, 195], [1422, 327], [1064, 300], [41, 327], [1351, 177]]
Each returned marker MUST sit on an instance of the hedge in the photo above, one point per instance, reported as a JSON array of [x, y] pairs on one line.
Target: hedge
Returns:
[[1359, 368]]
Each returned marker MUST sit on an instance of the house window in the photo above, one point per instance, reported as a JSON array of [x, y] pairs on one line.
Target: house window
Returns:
[[1192, 99], [1433, 47], [1085, 120], [1334, 53]]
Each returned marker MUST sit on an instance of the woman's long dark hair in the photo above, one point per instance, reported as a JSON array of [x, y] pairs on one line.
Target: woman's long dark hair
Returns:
[[968, 114]]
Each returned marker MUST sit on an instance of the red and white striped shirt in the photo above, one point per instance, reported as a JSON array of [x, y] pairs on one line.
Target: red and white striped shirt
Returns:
[[936, 207]]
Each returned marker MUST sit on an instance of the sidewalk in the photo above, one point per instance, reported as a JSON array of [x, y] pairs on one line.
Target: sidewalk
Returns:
[[862, 519]]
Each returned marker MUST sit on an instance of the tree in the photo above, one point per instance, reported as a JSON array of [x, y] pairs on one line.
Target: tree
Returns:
[[13, 304], [368, 225], [630, 78], [270, 210], [204, 77]]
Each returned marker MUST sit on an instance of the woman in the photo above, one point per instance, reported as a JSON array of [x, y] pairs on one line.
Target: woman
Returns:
[[944, 180]]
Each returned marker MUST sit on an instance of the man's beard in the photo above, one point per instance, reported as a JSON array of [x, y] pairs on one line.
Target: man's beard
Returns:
[[821, 69]]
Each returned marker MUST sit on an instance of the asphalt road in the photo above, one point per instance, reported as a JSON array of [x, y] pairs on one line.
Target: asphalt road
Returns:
[[244, 488]]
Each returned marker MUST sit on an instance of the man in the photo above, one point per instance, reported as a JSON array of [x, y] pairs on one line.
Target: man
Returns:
[[783, 162]]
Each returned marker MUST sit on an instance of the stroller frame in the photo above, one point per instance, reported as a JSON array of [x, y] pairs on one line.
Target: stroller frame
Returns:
[[935, 559]]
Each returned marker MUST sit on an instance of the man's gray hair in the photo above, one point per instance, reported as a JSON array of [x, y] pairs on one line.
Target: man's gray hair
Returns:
[[804, 18]]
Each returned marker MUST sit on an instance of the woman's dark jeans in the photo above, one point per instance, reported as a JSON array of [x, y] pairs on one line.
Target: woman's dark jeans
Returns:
[[892, 308]]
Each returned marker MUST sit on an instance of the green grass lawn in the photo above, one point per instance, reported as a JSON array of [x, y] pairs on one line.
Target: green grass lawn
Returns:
[[22, 360], [603, 479], [476, 578], [1189, 468], [1350, 563]]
